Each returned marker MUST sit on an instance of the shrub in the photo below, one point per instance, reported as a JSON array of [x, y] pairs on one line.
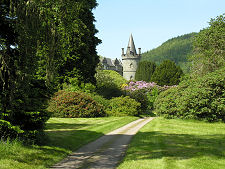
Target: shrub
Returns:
[[141, 97], [27, 126], [76, 85], [202, 98], [152, 95], [144, 93], [109, 83], [165, 104], [27, 112], [123, 106], [32, 120], [7, 130], [74, 104], [100, 100]]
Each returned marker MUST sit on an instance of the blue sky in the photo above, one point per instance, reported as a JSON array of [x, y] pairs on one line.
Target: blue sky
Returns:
[[151, 22]]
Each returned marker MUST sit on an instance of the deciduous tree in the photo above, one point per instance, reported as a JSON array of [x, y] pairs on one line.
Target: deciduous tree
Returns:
[[209, 47]]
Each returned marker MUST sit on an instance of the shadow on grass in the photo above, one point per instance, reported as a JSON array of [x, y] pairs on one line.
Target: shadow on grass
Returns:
[[56, 126], [156, 145], [57, 145], [70, 140]]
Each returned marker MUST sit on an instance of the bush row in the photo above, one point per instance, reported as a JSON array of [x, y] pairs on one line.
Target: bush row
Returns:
[[85, 101], [77, 104], [200, 98]]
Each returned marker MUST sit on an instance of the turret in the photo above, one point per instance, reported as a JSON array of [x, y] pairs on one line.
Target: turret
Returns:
[[130, 60]]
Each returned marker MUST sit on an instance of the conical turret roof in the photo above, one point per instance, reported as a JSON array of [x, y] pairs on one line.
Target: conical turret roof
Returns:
[[131, 47]]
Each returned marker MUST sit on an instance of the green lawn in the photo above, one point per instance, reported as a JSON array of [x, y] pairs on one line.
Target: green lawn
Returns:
[[177, 144], [63, 137]]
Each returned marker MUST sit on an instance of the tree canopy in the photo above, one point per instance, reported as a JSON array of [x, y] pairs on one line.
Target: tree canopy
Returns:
[[167, 73], [209, 47], [145, 70], [42, 45]]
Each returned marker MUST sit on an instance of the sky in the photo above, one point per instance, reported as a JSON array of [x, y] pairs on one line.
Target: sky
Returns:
[[151, 22]]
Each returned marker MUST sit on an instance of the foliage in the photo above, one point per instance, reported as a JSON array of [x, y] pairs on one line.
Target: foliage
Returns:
[[7, 130], [74, 104], [202, 98], [123, 106], [42, 45], [177, 49], [167, 73], [145, 70], [147, 86], [67, 42], [76, 85], [152, 95], [141, 97], [209, 47], [164, 142], [144, 93], [109, 83], [23, 96], [100, 100]]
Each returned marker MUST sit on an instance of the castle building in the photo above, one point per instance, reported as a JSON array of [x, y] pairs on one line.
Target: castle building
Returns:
[[111, 64], [130, 60]]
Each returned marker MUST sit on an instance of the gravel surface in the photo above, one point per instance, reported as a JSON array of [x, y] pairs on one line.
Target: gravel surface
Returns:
[[105, 152]]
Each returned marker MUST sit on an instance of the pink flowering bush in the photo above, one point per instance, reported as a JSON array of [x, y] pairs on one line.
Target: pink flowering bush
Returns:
[[147, 86], [144, 92]]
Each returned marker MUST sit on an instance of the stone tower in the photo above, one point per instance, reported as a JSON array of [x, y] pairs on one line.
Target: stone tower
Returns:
[[130, 60]]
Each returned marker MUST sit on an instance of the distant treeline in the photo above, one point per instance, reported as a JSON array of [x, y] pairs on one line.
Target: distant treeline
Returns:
[[176, 49]]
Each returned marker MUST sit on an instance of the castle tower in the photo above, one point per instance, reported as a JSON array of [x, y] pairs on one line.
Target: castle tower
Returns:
[[130, 60]]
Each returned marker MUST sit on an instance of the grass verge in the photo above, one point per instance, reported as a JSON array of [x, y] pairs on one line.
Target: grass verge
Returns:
[[64, 135], [177, 143]]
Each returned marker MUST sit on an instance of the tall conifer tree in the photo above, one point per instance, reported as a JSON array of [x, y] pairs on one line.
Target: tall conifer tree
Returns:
[[145, 70]]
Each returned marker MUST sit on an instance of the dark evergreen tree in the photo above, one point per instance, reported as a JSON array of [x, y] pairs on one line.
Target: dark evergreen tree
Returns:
[[22, 99], [167, 73], [145, 70], [42, 43]]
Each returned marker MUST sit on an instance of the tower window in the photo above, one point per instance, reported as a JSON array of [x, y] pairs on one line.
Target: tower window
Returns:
[[131, 65]]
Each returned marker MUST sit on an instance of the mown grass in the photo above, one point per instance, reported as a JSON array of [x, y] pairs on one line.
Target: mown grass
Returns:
[[177, 144], [63, 137]]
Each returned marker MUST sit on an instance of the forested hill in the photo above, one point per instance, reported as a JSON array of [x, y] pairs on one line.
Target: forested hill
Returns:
[[176, 49]]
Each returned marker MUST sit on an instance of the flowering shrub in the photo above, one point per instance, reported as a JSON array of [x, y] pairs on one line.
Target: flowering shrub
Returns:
[[74, 104], [143, 92], [132, 86], [123, 106]]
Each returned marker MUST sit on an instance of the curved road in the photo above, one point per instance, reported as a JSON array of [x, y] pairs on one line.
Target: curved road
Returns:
[[107, 151]]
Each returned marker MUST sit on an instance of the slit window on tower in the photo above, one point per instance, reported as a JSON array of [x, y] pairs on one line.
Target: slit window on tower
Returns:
[[131, 65]]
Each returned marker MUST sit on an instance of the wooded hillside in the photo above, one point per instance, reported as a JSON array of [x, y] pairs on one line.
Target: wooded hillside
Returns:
[[176, 49]]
